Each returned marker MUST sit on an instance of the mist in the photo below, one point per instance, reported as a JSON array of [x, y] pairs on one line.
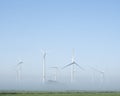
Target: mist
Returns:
[[82, 82]]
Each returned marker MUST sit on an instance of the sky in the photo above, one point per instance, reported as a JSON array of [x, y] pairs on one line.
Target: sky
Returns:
[[91, 27]]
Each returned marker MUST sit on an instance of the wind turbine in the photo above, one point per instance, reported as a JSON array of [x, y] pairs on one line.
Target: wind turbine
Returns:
[[72, 64], [102, 73], [44, 68], [19, 69], [55, 74]]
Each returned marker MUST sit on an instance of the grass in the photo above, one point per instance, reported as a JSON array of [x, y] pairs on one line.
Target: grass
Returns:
[[61, 94]]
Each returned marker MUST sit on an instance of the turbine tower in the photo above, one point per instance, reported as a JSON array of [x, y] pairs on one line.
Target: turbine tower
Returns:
[[44, 68], [72, 64]]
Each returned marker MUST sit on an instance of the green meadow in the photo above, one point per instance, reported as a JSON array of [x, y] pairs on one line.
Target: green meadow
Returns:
[[63, 94]]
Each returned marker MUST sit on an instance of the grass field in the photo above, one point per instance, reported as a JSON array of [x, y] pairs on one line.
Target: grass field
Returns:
[[63, 94]]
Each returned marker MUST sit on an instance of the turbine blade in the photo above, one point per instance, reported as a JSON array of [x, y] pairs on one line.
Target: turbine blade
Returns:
[[20, 63], [79, 66], [68, 65], [102, 72], [73, 55]]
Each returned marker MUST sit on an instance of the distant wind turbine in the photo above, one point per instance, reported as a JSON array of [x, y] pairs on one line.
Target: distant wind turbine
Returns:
[[99, 71], [19, 69], [72, 64], [55, 74], [44, 68]]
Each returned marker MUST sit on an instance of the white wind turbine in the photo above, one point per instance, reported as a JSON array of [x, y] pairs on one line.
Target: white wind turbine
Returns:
[[102, 73], [19, 69], [55, 73], [44, 68], [72, 64]]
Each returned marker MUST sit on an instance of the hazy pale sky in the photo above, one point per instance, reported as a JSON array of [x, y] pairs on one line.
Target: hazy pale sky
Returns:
[[91, 27]]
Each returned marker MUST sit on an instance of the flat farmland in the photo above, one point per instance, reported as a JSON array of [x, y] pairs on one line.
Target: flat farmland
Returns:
[[63, 94]]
